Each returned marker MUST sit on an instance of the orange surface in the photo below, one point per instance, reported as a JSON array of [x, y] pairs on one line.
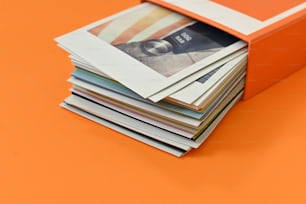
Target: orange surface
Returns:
[[260, 9], [49, 155]]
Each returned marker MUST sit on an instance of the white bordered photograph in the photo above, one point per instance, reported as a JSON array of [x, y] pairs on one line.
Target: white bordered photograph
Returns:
[[190, 93], [195, 90], [149, 49]]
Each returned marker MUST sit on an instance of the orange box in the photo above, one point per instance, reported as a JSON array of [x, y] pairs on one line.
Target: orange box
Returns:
[[275, 33]]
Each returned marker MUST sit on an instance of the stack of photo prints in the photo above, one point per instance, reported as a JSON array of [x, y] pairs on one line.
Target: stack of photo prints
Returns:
[[155, 75]]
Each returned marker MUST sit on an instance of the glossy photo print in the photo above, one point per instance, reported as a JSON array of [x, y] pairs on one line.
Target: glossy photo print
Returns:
[[163, 40]]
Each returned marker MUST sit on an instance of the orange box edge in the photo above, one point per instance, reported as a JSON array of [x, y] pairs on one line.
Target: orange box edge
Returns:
[[275, 51]]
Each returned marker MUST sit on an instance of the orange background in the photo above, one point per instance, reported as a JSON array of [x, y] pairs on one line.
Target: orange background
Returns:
[[49, 155]]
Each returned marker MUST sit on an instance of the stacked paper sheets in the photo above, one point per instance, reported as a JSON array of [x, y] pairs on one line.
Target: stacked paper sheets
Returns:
[[155, 75]]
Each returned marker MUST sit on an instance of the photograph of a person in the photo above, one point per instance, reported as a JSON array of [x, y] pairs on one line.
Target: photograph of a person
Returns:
[[165, 41]]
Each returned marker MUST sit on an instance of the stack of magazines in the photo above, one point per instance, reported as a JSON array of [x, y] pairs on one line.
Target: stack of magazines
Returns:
[[155, 75]]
